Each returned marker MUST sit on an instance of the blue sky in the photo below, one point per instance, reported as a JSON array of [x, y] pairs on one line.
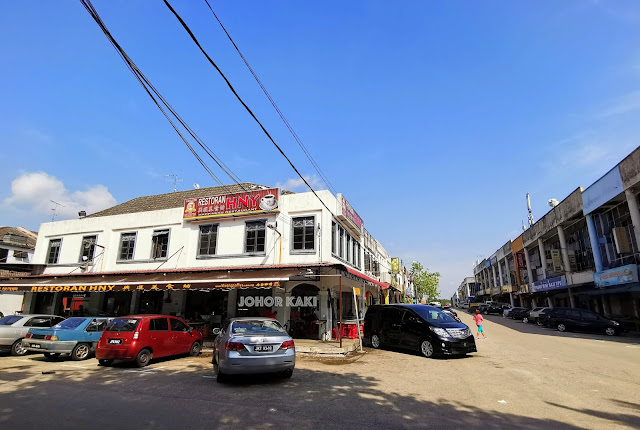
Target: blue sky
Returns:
[[433, 118]]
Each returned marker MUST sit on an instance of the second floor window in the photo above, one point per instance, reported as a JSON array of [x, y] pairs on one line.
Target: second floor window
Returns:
[[160, 244], [208, 239], [127, 245], [255, 236], [54, 251], [303, 234], [88, 248]]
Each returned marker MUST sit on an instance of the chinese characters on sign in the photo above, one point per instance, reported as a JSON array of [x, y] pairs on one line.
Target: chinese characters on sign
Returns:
[[145, 287], [232, 204]]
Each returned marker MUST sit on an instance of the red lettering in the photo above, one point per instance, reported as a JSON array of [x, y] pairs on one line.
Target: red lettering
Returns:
[[231, 203], [243, 200]]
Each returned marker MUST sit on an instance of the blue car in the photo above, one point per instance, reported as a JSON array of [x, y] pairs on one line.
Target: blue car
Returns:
[[76, 336]]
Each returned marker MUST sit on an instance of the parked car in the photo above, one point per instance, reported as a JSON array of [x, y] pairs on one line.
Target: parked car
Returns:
[[564, 319], [76, 336], [418, 327], [140, 338], [519, 313], [507, 311], [253, 345], [533, 315], [494, 308], [13, 329], [464, 305]]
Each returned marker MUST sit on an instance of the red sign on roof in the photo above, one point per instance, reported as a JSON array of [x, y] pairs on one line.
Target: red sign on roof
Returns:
[[232, 204]]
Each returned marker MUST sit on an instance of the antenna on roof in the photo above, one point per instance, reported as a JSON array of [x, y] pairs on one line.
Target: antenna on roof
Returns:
[[175, 180], [196, 186], [531, 222], [55, 209]]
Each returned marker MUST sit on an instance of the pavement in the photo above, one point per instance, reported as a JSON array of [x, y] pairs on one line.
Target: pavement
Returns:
[[522, 377]]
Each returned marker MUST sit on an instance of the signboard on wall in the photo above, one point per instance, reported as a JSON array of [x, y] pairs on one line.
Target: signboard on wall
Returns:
[[348, 214], [619, 275], [395, 265], [556, 258], [178, 286], [232, 204], [548, 284]]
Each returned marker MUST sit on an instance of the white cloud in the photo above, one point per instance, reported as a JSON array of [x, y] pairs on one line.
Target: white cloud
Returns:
[[299, 185], [34, 191]]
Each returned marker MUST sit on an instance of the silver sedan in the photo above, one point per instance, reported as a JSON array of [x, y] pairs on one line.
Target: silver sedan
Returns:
[[253, 345]]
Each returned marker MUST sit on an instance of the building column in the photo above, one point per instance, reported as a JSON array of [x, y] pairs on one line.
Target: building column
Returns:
[[135, 302], [495, 282], [511, 299], [632, 202], [543, 258], [563, 250], [549, 302], [232, 302], [325, 314], [605, 306], [29, 303], [534, 303], [595, 246], [500, 275], [572, 298], [56, 306], [527, 260]]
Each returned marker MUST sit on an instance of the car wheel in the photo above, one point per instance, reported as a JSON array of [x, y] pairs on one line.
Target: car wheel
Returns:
[[525, 320], [609, 331], [143, 358], [51, 355], [287, 373], [539, 323], [80, 352], [105, 362], [195, 349], [426, 348], [18, 349], [222, 377], [375, 341], [561, 327]]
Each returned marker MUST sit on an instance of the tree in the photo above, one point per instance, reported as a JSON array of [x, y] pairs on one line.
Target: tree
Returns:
[[425, 283]]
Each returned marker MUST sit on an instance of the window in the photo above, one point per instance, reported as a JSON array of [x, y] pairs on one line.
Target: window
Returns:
[[348, 248], [88, 247], [303, 233], [334, 231], [4, 253], [39, 322], [177, 325], [54, 251], [355, 253], [208, 239], [255, 234], [160, 244], [97, 325], [123, 324], [18, 255], [588, 316], [158, 324], [127, 245]]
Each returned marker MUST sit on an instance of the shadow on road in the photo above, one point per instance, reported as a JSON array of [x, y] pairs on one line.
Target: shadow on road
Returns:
[[189, 397]]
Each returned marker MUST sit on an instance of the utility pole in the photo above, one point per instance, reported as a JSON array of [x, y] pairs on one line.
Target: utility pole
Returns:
[[175, 180]]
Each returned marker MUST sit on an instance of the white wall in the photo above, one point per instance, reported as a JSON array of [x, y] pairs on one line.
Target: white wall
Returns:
[[10, 302], [11, 259]]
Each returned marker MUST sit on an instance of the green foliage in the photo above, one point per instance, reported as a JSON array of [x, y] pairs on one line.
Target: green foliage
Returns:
[[425, 283]]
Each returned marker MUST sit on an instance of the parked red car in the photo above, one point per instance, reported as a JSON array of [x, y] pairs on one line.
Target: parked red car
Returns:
[[140, 338]]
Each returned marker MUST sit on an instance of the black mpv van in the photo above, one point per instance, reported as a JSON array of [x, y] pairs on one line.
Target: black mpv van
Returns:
[[418, 327]]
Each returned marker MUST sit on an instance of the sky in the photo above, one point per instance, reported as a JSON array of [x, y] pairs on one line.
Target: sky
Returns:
[[434, 119]]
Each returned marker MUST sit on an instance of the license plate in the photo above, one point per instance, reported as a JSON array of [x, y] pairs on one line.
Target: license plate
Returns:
[[263, 348], [115, 341], [34, 345]]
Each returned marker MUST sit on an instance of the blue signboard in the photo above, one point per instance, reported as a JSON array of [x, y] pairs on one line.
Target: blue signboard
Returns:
[[619, 275], [548, 284]]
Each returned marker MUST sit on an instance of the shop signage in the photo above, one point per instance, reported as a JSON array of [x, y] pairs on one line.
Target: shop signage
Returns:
[[348, 214], [506, 288], [617, 276], [269, 301], [395, 265], [556, 260], [522, 262], [549, 284], [523, 289], [141, 287], [232, 204]]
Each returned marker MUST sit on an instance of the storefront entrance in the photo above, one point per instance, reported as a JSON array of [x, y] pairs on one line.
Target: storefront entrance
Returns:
[[151, 302]]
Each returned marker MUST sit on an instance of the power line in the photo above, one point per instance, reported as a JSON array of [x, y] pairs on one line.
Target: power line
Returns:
[[195, 40], [275, 106], [148, 86]]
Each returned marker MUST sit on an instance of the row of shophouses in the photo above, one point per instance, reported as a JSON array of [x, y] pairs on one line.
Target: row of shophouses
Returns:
[[209, 254], [583, 253]]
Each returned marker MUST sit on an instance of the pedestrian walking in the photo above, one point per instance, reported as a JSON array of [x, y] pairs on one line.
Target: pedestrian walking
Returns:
[[479, 320]]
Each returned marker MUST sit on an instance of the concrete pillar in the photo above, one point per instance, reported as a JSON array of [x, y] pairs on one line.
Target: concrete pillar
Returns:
[[527, 260], [511, 299], [29, 303], [632, 201], [543, 258], [593, 238], [534, 303], [56, 306], [572, 298], [549, 302], [96, 303], [232, 302], [500, 274], [495, 282], [135, 302], [563, 250], [325, 314], [605, 305]]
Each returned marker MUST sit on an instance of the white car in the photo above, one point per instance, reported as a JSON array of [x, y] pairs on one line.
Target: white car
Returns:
[[13, 329], [464, 305], [434, 304], [533, 315]]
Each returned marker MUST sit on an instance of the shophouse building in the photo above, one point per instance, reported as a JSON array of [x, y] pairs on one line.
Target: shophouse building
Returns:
[[209, 254], [17, 246]]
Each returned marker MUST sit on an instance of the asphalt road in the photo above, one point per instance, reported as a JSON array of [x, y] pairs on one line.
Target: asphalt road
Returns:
[[522, 377]]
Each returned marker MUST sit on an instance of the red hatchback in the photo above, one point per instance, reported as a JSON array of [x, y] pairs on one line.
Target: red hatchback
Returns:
[[140, 338]]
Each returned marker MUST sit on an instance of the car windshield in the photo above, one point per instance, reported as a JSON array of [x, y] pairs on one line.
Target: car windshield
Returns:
[[433, 315], [10, 319], [123, 324], [70, 323], [242, 327]]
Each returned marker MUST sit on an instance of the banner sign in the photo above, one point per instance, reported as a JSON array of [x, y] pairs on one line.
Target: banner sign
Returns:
[[548, 284], [619, 275], [139, 287], [232, 204], [522, 262], [349, 214], [395, 265]]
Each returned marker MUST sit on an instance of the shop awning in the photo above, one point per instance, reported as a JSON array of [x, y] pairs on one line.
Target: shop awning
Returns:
[[366, 278]]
